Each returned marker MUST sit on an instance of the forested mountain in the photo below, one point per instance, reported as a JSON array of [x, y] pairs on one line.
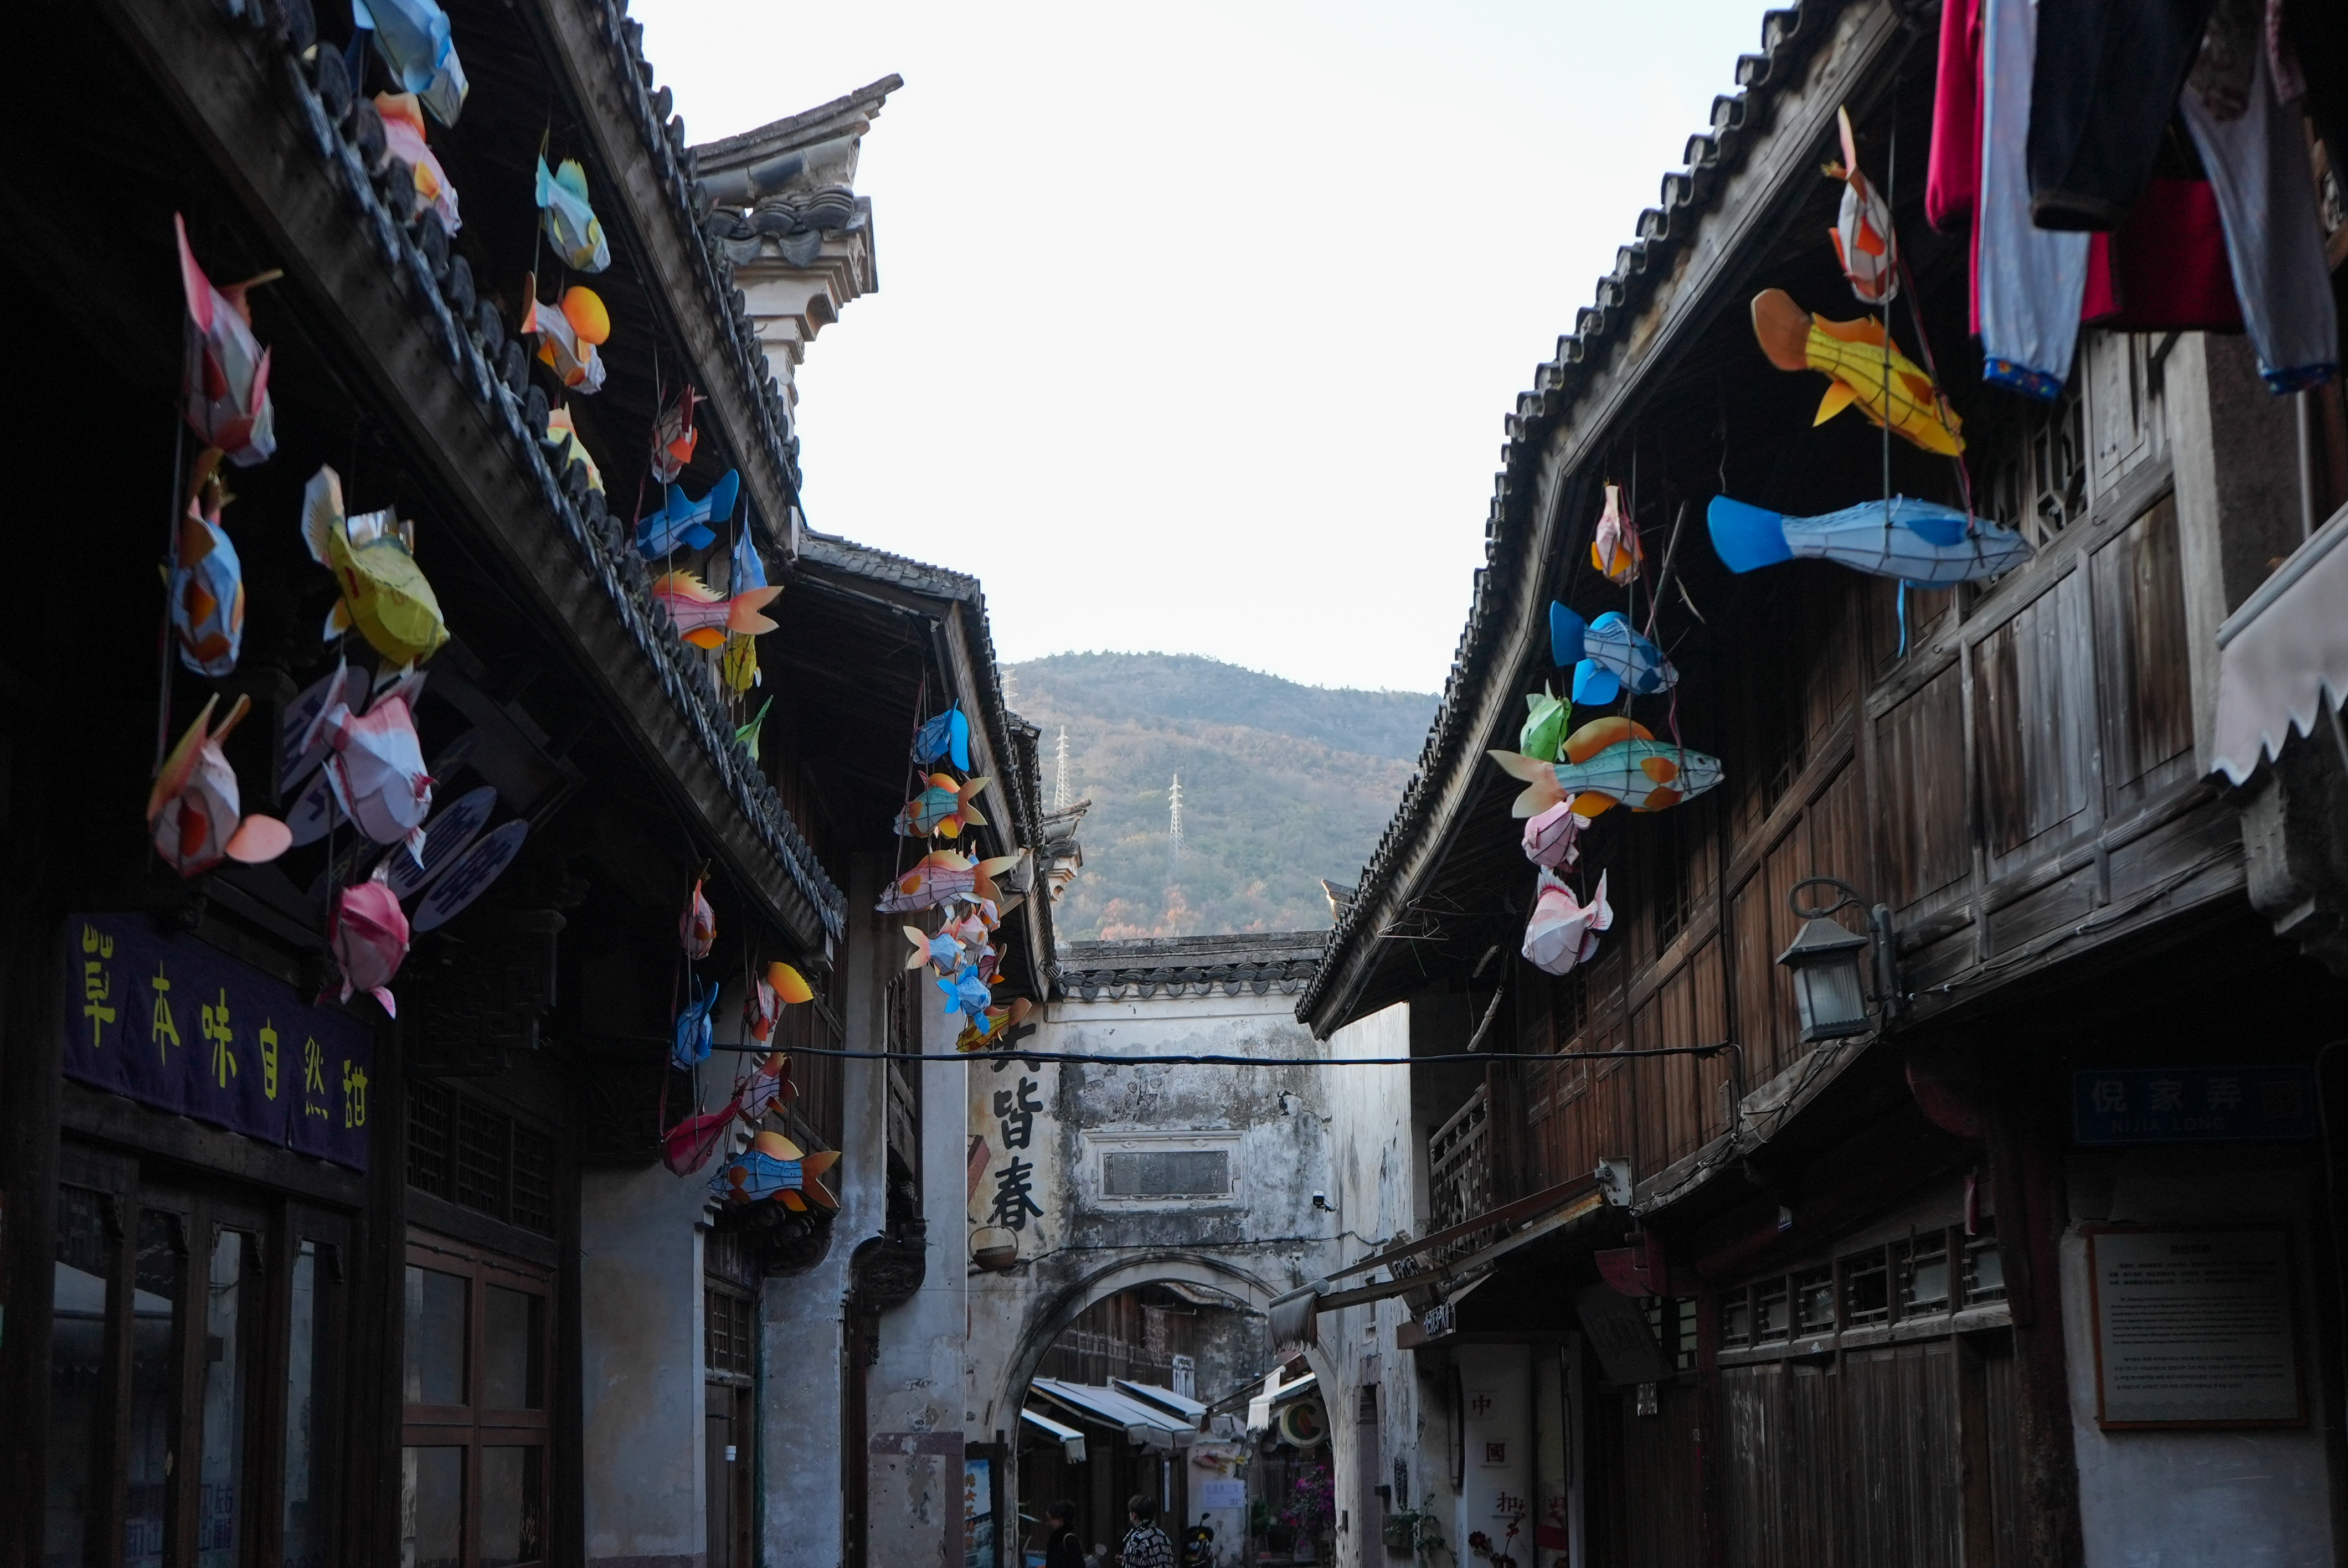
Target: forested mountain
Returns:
[[1283, 785]]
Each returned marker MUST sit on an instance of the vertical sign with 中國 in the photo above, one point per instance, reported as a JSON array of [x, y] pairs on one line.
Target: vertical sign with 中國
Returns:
[[2194, 1327], [172, 1024]]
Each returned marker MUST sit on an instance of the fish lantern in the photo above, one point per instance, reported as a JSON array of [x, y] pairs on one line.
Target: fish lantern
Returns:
[[681, 523], [369, 938], [789, 984], [1003, 1024], [1544, 727], [698, 926], [687, 1147], [415, 41], [769, 1083], [1863, 369], [966, 991], [1564, 931], [1614, 550], [673, 436], [403, 139], [748, 734], [194, 809], [704, 617], [569, 222], [759, 1010], [568, 335], [373, 556], [207, 580], [1918, 542], [375, 764], [941, 876], [943, 950], [1549, 836], [773, 1167], [562, 437], [1863, 239], [943, 808], [227, 374], [947, 734], [694, 1032], [739, 668], [1607, 655], [1610, 761]]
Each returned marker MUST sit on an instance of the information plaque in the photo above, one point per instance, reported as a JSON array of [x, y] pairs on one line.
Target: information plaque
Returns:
[[2194, 1327]]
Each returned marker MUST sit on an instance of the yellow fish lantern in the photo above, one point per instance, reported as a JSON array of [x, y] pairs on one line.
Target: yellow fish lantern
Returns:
[[1865, 369], [739, 666], [385, 594]]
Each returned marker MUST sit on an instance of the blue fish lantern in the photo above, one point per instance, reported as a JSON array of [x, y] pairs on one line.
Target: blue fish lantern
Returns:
[[966, 992], [749, 566], [569, 223], [207, 580], [686, 522], [694, 1034], [1917, 542], [415, 40], [949, 732], [1607, 655]]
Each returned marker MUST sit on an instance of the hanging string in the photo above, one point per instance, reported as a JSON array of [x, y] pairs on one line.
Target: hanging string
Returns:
[[163, 630]]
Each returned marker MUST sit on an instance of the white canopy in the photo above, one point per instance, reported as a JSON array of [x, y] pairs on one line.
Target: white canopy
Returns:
[[2283, 656]]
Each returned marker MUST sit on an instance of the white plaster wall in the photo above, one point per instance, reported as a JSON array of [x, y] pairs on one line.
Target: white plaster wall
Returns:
[[2247, 1499], [1497, 1485], [640, 1278], [916, 1390]]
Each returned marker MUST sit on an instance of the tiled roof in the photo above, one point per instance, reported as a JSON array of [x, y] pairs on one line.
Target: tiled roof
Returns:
[[1259, 961], [1789, 38], [879, 565]]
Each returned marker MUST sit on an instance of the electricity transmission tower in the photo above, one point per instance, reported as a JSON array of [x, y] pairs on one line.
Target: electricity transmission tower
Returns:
[[1174, 829], [1061, 793]]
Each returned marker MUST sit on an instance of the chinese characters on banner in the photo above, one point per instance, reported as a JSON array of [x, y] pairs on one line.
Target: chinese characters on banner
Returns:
[[172, 1024], [1014, 1151]]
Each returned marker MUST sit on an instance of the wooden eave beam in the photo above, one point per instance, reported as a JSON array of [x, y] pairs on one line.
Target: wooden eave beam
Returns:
[[244, 113], [611, 112]]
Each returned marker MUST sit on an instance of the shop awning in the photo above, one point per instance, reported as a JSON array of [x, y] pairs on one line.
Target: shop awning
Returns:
[[1275, 1394], [2282, 657], [1071, 1441], [1138, 1420], [1180, 1405]]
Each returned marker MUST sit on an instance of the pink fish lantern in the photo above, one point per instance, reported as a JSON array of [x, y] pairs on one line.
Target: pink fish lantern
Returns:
[[767, 1083], [1563, 932], [375, 762], [698, 926], [193, 808], [1615, 548], [687, 1147], [369, 938], [403, 138], [226, 382], [1862, 234], [1549, 838], [759, 1010]]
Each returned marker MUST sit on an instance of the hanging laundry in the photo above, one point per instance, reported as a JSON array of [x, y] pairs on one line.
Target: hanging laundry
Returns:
[[2098, 83], [2256, 154], [1952, 173], [2031, 283]]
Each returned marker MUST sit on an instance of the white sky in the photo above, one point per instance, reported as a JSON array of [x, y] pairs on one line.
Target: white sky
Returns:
[[1198, 321]]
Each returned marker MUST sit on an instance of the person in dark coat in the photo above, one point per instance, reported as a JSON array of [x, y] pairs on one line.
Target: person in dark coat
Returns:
[[1061, 1547]]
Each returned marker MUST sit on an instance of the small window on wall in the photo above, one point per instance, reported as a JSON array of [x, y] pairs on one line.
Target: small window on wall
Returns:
[[1672, 1321], [1984, 1268], [473, 1453], [1737, 1319]]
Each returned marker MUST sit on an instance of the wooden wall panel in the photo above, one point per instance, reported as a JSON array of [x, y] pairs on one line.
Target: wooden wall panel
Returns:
[[1755, 1456], [2031, 719], [2140, 654], [1661, 1512], [1920, 747]]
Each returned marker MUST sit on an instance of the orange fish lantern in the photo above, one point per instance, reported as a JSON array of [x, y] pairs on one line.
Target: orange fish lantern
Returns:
[[194, 809], [673, 436], [568, 335], [704, 617], [1608, 762], [698, 926], [1862, 235], [1614, 550], [226, 377]]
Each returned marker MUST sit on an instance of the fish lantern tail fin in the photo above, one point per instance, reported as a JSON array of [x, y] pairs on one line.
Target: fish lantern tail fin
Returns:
[[1747, 536], [1782, 328], [259, 839], [180, 766], [921, 953], [545, 183], [1594, 685], [722, 495], [1566, 630], [789, 983], [382, 994], [742, 611]]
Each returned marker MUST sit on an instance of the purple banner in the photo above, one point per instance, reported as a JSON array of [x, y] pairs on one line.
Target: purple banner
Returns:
[[172, 1024]]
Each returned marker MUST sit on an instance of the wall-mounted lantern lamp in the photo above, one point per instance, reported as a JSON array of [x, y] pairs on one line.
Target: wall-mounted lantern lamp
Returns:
[[1829, 961]]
